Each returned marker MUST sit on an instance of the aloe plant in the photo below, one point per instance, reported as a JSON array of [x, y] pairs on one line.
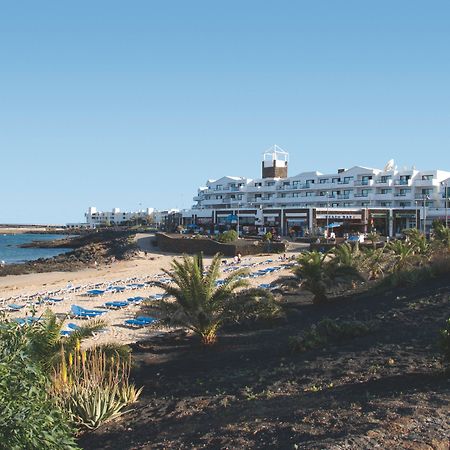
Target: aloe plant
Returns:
[[93, 387]]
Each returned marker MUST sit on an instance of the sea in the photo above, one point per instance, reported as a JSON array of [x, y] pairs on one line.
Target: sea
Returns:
[[11, 253]]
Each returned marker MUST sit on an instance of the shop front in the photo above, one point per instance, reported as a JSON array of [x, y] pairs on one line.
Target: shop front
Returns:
[[406, 219], [379, 222], [343, 222], [296, 223]]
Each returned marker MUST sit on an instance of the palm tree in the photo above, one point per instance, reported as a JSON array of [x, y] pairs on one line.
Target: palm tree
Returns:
[[317, 272], [347, 255], [200, 304], [313, 274], [44, 339], [441, 235], [402, 253], [374, 262]]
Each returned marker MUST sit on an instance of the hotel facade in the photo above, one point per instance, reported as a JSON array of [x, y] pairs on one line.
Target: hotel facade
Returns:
[[358, 199]]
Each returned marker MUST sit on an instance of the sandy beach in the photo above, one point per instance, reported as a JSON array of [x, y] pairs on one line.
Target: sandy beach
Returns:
[[25, 289]]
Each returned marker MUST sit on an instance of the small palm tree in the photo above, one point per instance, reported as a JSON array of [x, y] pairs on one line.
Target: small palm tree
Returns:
[[402, 254], [313, 275], [200, 304], [44, 339], [317, 272], [374, 262], [418, 241], [373, 237], [347, 255], [441, 236]]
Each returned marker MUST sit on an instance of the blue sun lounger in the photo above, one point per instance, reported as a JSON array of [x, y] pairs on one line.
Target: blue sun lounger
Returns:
[[140, 321], [95, 292], [135, 300], [82, 313], [116, 305], [14, 307]]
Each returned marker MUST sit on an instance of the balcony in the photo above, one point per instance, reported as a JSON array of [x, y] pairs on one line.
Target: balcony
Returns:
[[359, 195], [422, 196], [402, 182], [363, 183], [384, 182], [402, 194], [254, 188], [426, 183]]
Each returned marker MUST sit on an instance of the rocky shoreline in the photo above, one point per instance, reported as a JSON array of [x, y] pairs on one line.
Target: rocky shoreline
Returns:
[[95, 248]]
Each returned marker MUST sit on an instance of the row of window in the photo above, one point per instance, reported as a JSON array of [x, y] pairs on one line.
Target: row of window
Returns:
[[343, 180]]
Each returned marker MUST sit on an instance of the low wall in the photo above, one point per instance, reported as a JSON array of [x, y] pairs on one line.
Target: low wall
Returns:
[[189, 245]]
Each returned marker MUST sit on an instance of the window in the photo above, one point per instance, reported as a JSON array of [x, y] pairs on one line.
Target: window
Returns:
[[386, 191], [347, 180], [218, 197], [427, 177], [323, 180], [258, 184], [270, 183], [286, 183], [219, 187], [335, 180]]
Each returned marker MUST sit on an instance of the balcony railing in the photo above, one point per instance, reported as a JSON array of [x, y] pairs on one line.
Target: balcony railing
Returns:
[[363, 182], [402, 182]]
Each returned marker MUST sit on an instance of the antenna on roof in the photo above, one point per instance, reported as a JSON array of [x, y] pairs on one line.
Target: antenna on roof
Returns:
[[389, 166]]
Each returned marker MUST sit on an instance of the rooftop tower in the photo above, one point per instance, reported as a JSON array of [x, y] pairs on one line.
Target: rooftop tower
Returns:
[[275, 163]]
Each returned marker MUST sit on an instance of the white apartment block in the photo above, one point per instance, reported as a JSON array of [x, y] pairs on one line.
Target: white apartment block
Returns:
[[115, 216], [358, 198]]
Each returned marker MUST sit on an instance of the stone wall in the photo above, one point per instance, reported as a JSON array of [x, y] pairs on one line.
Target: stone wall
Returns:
[[189, 245]]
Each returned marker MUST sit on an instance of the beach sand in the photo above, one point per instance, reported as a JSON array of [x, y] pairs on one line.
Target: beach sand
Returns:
[[15, 289]]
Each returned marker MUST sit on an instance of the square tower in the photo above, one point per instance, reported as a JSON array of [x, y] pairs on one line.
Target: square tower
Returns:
[[275, 163]]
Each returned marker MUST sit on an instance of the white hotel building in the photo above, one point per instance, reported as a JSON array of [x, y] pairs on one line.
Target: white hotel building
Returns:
[[115, 216], [355, 199]]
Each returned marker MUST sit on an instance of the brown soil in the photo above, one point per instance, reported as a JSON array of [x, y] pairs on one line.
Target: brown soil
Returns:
[[384, 390]]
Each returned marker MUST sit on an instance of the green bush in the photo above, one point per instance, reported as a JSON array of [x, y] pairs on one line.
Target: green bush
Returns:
[[329, 331], [228, 236], [29, 418], [444, 341]]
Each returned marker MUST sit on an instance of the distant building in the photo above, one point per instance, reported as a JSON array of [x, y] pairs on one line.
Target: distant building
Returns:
[[117, 217], [355, 199]]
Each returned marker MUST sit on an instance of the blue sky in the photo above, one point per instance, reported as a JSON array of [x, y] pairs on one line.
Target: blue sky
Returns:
[[113, 104]]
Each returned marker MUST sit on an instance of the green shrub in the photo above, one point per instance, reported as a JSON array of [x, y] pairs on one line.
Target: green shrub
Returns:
[[228, 236], [444, 341], [329, 331], [29, 418]]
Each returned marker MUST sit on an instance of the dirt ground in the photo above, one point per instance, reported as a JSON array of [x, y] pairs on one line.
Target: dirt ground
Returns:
[[384, 390]]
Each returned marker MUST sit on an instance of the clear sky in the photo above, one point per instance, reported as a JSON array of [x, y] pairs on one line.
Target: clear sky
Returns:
[[117, 103]]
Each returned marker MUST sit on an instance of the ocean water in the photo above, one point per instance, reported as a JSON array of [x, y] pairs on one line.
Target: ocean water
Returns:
[[11, 253]]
